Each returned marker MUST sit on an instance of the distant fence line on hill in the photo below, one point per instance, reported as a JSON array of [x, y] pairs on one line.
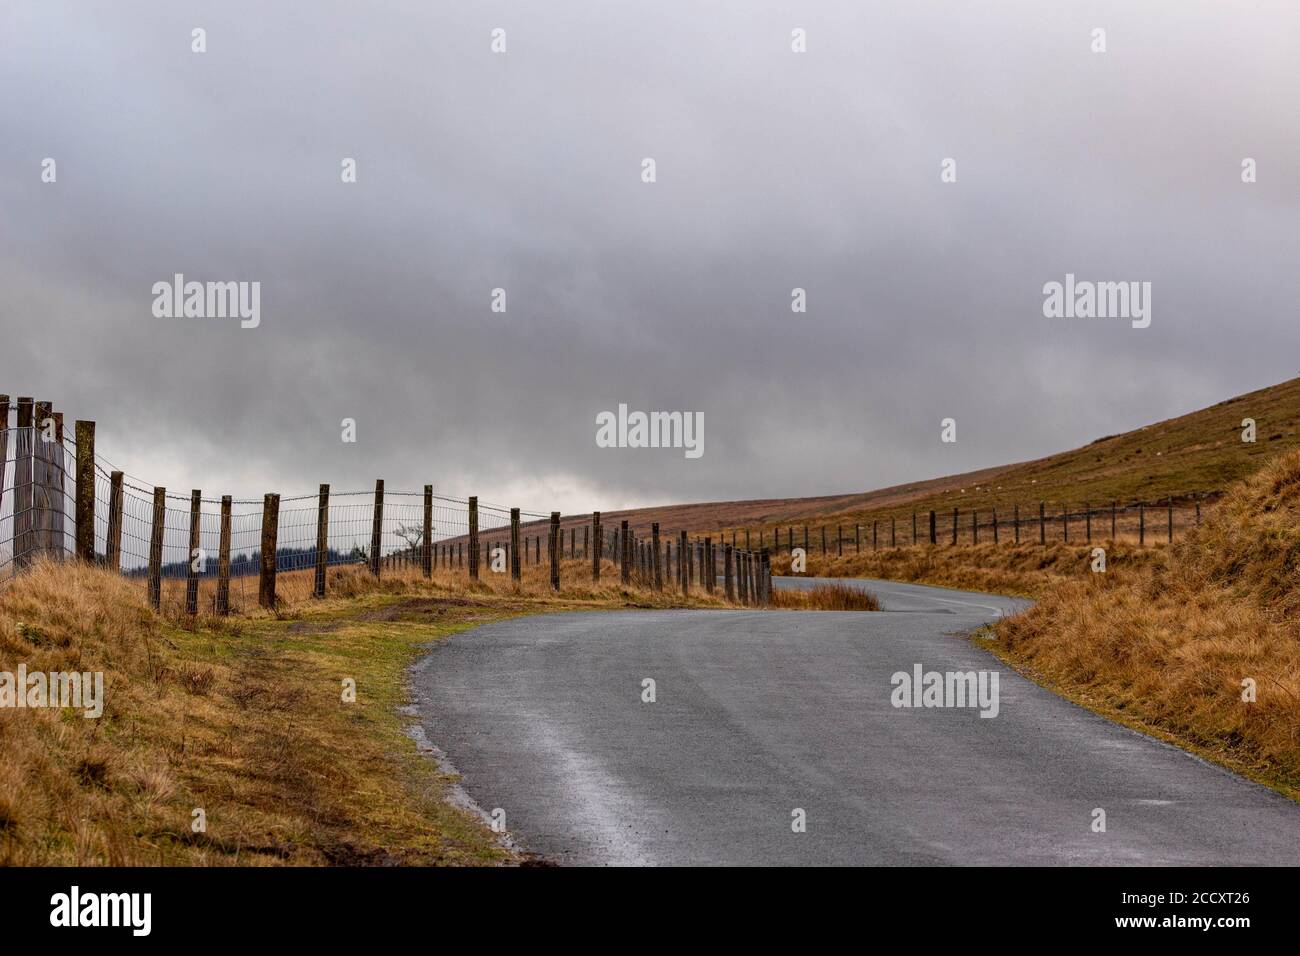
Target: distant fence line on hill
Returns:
[[1149, 522], [58, 499]]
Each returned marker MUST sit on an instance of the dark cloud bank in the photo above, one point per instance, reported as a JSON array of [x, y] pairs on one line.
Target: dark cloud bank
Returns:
[[521, 171]]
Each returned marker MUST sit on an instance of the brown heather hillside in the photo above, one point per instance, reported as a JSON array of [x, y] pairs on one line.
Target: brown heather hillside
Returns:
[[1166, 647], [1198, 452]]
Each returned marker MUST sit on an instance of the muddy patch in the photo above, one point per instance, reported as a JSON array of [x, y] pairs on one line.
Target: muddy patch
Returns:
[[415, 609], [313, 627]]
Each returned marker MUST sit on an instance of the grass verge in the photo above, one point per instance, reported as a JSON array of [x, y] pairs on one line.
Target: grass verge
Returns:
[[1020, 570], [1201, 649], [228, 741]]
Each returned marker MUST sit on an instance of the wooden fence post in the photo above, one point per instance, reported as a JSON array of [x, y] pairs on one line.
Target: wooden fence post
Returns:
[[42, 484], [58, 472], [707, 568], [914, 528], [1065, 523], [195, 552], [654, 539], [85, 514], [426, 552], [728, 581], [557, 545], [322, 540], [24, 461], [24, 445], [683, 563], [270, 542], [875, 535], [156, 547], [934, 531], [223, 560], [1196, 497], [893, 537], [598, 547], [954, 525], [113, 544], [974, 526], [1016, 521], [516, 572], [995, 525], [625, 555], [473, 538], [377, 528], [1042, 523]]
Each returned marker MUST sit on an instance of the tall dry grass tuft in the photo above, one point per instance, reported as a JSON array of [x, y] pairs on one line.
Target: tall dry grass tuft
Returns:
[[1027, 569], [1169, 647], [825, 597], [56, 765]]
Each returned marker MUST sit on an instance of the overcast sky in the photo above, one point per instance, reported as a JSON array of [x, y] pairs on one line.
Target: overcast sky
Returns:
[[522, 170]]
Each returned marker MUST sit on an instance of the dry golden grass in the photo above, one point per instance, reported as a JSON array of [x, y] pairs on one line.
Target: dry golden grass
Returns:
[[243, 717], [243, 720], [824, 597], [1026, 570], [1167, 648]]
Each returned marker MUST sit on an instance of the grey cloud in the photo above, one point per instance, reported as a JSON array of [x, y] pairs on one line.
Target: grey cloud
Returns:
[[775, 171]]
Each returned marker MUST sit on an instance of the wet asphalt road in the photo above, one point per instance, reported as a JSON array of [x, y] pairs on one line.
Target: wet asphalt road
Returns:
[[758, 714]]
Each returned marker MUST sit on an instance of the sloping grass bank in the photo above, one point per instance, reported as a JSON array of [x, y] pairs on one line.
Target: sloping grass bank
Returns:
[[1202, 649]]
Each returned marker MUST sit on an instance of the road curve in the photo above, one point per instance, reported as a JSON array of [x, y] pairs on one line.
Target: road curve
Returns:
[[762, 713]]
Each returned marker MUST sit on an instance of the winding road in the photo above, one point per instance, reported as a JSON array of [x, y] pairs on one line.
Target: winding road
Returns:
[[758, 715]]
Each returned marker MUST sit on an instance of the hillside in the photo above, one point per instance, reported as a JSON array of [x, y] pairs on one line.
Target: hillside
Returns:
[[1202, 648], [1195, 453]]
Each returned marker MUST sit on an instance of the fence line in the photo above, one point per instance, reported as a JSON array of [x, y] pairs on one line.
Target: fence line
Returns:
[[60, 500], [1149, 522]]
